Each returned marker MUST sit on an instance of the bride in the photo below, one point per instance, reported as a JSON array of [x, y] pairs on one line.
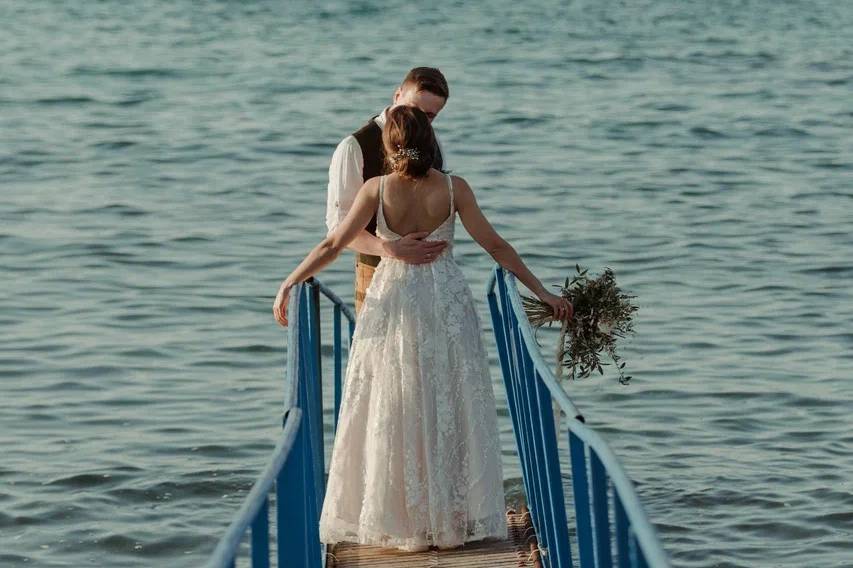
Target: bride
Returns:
[[416, 459]]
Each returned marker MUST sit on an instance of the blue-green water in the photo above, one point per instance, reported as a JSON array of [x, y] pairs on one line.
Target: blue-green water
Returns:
[[163, 167]]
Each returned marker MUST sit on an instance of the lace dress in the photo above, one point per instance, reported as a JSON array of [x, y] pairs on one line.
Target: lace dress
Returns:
[[416, 459]]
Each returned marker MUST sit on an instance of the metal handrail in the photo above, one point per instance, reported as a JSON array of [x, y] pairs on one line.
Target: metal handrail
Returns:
[[530, 339], [525, 373], [223, 554], [296, 468]]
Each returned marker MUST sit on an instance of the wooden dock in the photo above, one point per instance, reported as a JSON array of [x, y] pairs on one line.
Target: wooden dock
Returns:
[[520, 550]]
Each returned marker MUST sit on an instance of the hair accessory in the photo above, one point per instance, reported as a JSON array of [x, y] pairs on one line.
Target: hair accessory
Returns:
[[411, 153]]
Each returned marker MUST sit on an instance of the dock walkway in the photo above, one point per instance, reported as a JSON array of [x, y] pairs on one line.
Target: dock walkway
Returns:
[[518, 551]]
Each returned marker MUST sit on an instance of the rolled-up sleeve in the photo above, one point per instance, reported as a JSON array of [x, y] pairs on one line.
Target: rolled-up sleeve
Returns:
[[345, 179]]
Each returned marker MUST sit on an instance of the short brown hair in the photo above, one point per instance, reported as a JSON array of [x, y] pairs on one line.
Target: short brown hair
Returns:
[[427, 79], [408, 128]]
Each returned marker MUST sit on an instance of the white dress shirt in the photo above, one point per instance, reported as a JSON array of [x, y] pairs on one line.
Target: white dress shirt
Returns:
[[346, 177]]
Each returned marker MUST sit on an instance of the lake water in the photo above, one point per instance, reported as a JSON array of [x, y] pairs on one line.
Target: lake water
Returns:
[[163, 167]]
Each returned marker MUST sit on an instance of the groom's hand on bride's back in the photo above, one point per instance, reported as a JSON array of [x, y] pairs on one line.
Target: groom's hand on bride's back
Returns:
[[413, 249]]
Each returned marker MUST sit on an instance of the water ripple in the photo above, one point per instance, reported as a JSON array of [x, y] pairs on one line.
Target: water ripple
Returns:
[[165, 166]]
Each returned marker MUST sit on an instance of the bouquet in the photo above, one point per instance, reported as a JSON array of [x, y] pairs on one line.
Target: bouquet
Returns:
[[602, 314]]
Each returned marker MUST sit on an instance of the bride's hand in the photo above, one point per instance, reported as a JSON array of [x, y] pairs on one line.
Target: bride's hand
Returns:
[[279, 307], [562, 308]]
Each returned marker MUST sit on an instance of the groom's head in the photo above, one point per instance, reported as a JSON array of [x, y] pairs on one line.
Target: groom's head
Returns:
[[424, 88]]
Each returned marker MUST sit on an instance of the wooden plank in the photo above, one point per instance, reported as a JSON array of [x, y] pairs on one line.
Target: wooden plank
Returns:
[[518, 551]]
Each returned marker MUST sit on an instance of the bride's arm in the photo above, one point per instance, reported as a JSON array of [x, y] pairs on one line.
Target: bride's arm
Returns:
[[330, 247], [504, 254]]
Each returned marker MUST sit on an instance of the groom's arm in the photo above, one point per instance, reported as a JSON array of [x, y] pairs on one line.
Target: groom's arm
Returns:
[[345, 179]]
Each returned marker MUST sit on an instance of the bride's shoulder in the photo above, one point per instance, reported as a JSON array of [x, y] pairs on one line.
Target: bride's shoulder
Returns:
[[371, 187], [460, 185], [459, 182], [372, 182]]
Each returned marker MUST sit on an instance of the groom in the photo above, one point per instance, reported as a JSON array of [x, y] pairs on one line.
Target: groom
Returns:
[[361, 156]]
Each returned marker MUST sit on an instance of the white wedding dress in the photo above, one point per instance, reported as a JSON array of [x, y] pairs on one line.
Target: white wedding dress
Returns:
[[416, 459]]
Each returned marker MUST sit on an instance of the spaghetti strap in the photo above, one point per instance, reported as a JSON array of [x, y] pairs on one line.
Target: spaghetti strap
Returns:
[[379, 213], [450, 189]]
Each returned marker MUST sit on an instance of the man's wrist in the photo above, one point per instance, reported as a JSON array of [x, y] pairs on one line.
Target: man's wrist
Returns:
[[389, 249]]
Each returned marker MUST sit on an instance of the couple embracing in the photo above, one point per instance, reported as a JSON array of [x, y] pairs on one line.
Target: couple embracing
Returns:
[[416, 460]]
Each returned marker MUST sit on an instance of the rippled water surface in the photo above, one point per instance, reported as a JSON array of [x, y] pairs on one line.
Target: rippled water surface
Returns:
[[163, 167]]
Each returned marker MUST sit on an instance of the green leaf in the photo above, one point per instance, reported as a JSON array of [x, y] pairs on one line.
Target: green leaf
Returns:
[[594, 298]]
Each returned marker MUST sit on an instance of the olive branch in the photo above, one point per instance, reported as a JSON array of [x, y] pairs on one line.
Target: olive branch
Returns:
[[602, 314]]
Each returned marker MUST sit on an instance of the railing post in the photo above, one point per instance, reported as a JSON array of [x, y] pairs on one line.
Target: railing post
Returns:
[[314, 323], [261, 537], [514, 386], [313, 408], [621, 520], [556, 497], [338, 363], [284, 527], [634, 553], [540, 506], [580, 485], [600, 512], [291, 504], [315, 384]]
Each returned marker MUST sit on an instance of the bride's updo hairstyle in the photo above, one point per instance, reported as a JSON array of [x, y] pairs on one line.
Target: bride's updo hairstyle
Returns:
[[409, 142]]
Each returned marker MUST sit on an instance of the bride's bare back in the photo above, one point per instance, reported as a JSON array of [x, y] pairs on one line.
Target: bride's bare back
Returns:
[[416, 206], [409, 210]]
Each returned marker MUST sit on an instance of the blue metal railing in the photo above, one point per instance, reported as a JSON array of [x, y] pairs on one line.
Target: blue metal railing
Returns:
[[597, 478], [297, 466]]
